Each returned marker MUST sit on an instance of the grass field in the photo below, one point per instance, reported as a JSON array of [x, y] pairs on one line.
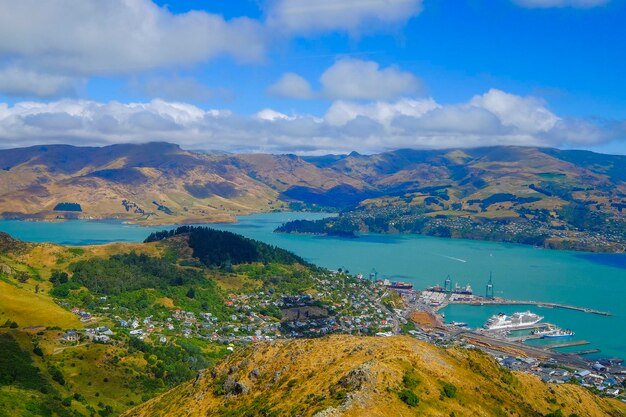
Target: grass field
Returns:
[[29, 309]]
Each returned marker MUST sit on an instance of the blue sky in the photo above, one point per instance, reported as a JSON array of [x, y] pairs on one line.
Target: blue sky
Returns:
[[285, 76]]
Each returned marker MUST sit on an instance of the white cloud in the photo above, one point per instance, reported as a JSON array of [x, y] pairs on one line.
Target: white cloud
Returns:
[[353, 16], [341, 112], [560, 3], [271, 115], [525, 113], [291, 85], [494, 118], [58, 39], [350, 79], [354, 79]]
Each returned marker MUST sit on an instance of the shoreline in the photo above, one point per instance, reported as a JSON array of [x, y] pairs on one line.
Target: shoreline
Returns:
[[357, 235]]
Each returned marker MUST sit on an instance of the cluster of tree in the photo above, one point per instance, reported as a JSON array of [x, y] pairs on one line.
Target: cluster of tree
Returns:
[[18, 369], [217, 248], [58, 277], [10, 324], [322, 226], [172, 363], [128, 272], [68, 207], [583, 218]]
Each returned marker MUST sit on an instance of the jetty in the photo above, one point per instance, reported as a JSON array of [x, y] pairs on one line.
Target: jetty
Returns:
[[482, 301], [567, 344], [581, 352]]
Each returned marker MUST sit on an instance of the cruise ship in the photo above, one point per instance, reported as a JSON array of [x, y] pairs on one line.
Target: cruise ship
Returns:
[[516, 320]]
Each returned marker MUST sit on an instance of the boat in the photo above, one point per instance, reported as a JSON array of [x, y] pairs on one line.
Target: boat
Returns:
[[399, 285], [558, 333], [543, 331], [459, 324], [515, 320], [436, 288], [467, 290]]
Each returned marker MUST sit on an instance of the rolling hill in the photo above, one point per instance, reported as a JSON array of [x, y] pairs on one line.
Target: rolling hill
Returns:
[[561, 191]]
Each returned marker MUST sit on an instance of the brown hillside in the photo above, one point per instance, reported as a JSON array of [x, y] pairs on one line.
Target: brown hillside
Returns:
[[162, 183], [356, 376]]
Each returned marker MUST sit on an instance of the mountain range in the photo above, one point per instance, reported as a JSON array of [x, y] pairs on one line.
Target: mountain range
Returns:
[[162, 183]]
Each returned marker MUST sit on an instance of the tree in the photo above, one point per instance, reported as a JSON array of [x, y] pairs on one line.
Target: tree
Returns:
[[191, 293], [22, 276], [409, 397], [448, 390], [58, 277]]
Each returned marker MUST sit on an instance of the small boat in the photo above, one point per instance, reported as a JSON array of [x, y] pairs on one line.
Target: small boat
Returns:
[[459, 324], [558, 333]]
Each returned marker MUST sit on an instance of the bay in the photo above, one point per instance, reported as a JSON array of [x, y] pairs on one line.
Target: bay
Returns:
[[519, 272]]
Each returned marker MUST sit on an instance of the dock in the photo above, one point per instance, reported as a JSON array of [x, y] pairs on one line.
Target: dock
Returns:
[[481, 301], [582, 352], [567, 344]]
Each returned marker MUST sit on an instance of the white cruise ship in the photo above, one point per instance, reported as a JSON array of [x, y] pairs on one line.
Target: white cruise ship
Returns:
[[502, 321]]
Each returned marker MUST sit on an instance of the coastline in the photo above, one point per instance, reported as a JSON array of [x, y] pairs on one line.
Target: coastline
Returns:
[[549, 245]]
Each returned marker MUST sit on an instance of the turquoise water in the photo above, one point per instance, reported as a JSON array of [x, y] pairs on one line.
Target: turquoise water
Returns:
[[519, 272]]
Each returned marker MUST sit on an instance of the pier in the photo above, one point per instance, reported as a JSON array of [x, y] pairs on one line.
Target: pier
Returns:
[[582, 352], [480, 301], [567, 344]]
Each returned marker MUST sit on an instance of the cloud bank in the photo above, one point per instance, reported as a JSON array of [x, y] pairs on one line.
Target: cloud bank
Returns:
[[493, 118], [47, 46]]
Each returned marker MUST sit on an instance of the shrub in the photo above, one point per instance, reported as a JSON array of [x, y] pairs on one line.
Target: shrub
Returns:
[[56, 375], [448, 390], [409, 397], [410, 380]]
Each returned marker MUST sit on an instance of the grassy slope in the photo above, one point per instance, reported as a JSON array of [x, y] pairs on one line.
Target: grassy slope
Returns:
[[102, 374], [90, 370], [352, 376], [20, 303], [29, 309]]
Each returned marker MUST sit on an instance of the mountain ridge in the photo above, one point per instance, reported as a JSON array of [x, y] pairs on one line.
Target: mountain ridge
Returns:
[[160, 183], [356, 376]]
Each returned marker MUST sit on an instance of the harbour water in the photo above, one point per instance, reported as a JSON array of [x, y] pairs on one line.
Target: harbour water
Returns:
[[519, 272]]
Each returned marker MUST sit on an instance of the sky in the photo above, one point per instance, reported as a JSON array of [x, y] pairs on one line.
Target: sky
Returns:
[[314, 77]]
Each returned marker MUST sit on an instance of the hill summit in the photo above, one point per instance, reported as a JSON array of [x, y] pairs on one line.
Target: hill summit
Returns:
[[367, 376]]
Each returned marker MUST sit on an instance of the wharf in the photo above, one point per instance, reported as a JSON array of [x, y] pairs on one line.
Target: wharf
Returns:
[[567, 344], [480, 301], [582, 352]]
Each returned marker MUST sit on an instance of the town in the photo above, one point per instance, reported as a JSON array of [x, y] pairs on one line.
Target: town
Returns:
[[341, 303]]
